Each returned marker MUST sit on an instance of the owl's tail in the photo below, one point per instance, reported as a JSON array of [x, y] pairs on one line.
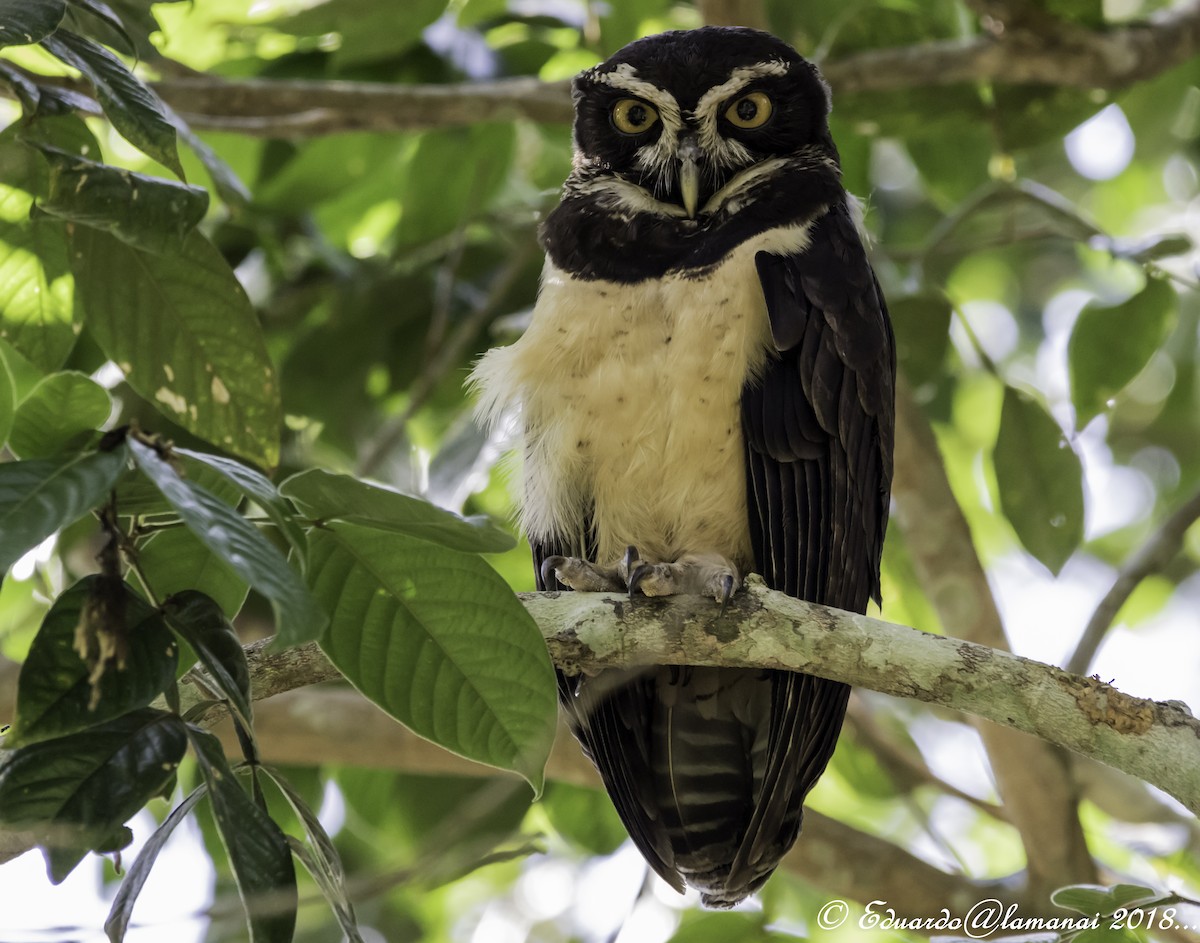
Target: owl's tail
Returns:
[[708, 768]]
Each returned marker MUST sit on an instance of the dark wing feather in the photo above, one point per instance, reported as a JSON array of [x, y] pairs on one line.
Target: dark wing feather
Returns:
[[610, 716], [818, 426]]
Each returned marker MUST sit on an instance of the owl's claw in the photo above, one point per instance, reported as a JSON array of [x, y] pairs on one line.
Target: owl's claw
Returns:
[[693, 574], [640, 572], [582, 575]]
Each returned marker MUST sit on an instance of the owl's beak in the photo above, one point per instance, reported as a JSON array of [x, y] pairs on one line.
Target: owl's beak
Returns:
[[689, 174]]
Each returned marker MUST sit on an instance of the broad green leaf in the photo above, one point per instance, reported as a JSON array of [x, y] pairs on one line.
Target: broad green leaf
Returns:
[[231, 537], [137, 496], [1040, 480], [36, 286], [104, 25], [62, 409], [1110, 345], [75, 792], [182, 329], [29, 21], [54, 693], [147, 212], [584, 817], [259, 489], [135, 878], [200, 622], [228, 184], [131, 107], [326, 496], [8, 397], [439, 641], [322, 861], [258, 850], [39, 497], [176, 560], [922, 325], [1089, 899]]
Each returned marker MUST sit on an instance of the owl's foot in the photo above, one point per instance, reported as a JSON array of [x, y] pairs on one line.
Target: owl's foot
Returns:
[[699, 574], [582, 576]]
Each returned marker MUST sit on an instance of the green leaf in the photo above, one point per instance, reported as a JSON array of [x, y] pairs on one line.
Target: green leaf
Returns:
[[75, 792], [259, 489], [137, 496], [29, 21], [326, 496], [182, 329], [135, 878], [63, 409], [1110, 345], [200, 622], [8, 398], [231, 537], [39, 497], [584, 817], [439, 641], [54, 693], [1089, 899], [1040, 480], [323, 861], [258, 850], [176, 560], [37, 290], [922, 325], [147, 212], [132, 108]]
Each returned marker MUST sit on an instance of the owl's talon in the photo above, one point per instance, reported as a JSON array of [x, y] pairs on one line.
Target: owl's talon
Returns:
[[549, 567], [726, 591], [635, 578]]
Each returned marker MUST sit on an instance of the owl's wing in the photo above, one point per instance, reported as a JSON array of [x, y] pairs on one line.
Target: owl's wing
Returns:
[[818, 426]]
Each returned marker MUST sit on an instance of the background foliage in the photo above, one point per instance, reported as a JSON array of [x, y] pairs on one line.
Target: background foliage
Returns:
[[217, 327]]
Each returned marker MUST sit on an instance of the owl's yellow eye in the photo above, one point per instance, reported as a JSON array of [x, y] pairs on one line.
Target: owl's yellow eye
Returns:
[[749, 111], [632, 116]]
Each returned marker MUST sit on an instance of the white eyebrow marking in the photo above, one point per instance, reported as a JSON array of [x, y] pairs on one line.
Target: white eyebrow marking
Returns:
[[658, 158], [729, 153]]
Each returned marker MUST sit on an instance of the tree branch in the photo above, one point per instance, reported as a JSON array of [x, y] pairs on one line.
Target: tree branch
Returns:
[[1033, 780], [1150, 557], [1058, 54]]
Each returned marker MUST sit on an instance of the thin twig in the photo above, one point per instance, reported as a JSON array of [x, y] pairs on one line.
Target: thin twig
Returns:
[[1150, 557]]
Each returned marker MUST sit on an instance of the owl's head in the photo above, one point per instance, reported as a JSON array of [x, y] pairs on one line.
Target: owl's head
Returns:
[[693, 119]]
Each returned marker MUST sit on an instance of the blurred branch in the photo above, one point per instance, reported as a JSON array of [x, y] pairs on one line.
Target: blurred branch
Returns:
[[1054, 54], [1032, 778], [1150, 557], [904, 765]]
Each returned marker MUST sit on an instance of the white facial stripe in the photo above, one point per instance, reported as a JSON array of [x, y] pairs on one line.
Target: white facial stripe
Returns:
[[613, 191], [740, 184], [729, 153]]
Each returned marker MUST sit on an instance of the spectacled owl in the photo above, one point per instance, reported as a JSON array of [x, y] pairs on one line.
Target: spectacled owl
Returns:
[[705, 390]]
